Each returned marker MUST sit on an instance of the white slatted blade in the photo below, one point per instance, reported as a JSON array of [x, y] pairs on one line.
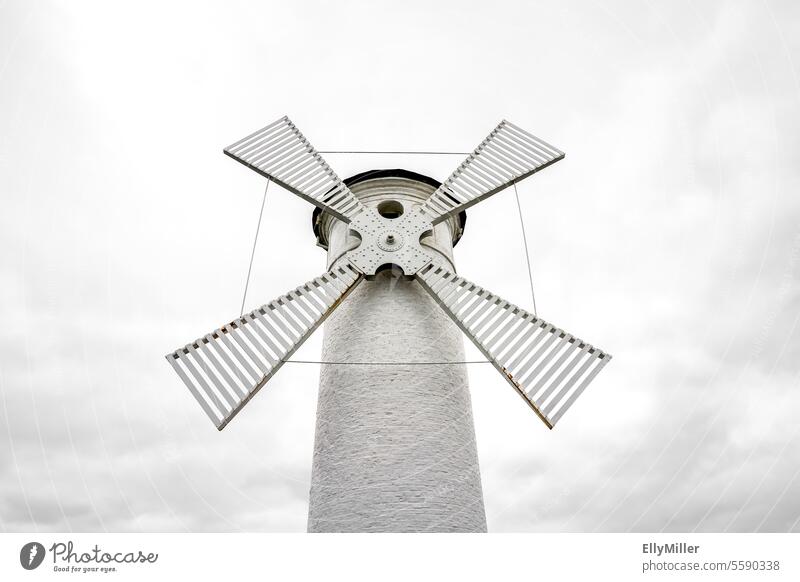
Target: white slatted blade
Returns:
[[507, 155], [224, 369], [281, 153], [549, 367]]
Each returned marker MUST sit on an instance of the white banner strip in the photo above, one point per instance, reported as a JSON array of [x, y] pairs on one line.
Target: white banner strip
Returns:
[[388, 557]]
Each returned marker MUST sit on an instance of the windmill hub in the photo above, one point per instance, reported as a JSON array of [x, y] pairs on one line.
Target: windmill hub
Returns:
[[391, 242]]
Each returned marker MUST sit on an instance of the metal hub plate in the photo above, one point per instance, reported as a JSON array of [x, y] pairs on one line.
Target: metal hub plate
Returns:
[[393, 241]]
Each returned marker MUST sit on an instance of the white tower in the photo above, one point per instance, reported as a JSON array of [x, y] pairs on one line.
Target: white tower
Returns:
[[395, 444]]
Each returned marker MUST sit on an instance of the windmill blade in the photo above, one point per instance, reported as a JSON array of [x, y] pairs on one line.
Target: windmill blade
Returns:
[[224, 369], [281, 153], [549, 367], [507, 155]]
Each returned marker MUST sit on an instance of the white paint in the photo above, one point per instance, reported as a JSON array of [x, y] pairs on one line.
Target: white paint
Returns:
[[395, 445]]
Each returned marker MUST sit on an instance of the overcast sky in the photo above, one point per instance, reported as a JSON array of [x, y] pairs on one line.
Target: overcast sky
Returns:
[[670, 236]]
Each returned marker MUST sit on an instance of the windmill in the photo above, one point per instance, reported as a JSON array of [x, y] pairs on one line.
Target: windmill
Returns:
[[392, 223]]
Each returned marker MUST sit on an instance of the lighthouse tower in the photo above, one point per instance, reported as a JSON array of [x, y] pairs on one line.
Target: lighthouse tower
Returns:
[[395, 442]]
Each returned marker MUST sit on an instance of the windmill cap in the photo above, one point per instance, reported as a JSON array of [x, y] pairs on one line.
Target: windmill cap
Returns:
[[317, 218]]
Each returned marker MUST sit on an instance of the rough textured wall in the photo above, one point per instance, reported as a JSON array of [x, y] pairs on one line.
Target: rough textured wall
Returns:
[[395, 445]]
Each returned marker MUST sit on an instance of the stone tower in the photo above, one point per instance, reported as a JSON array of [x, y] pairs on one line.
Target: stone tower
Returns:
[[395, 446]]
